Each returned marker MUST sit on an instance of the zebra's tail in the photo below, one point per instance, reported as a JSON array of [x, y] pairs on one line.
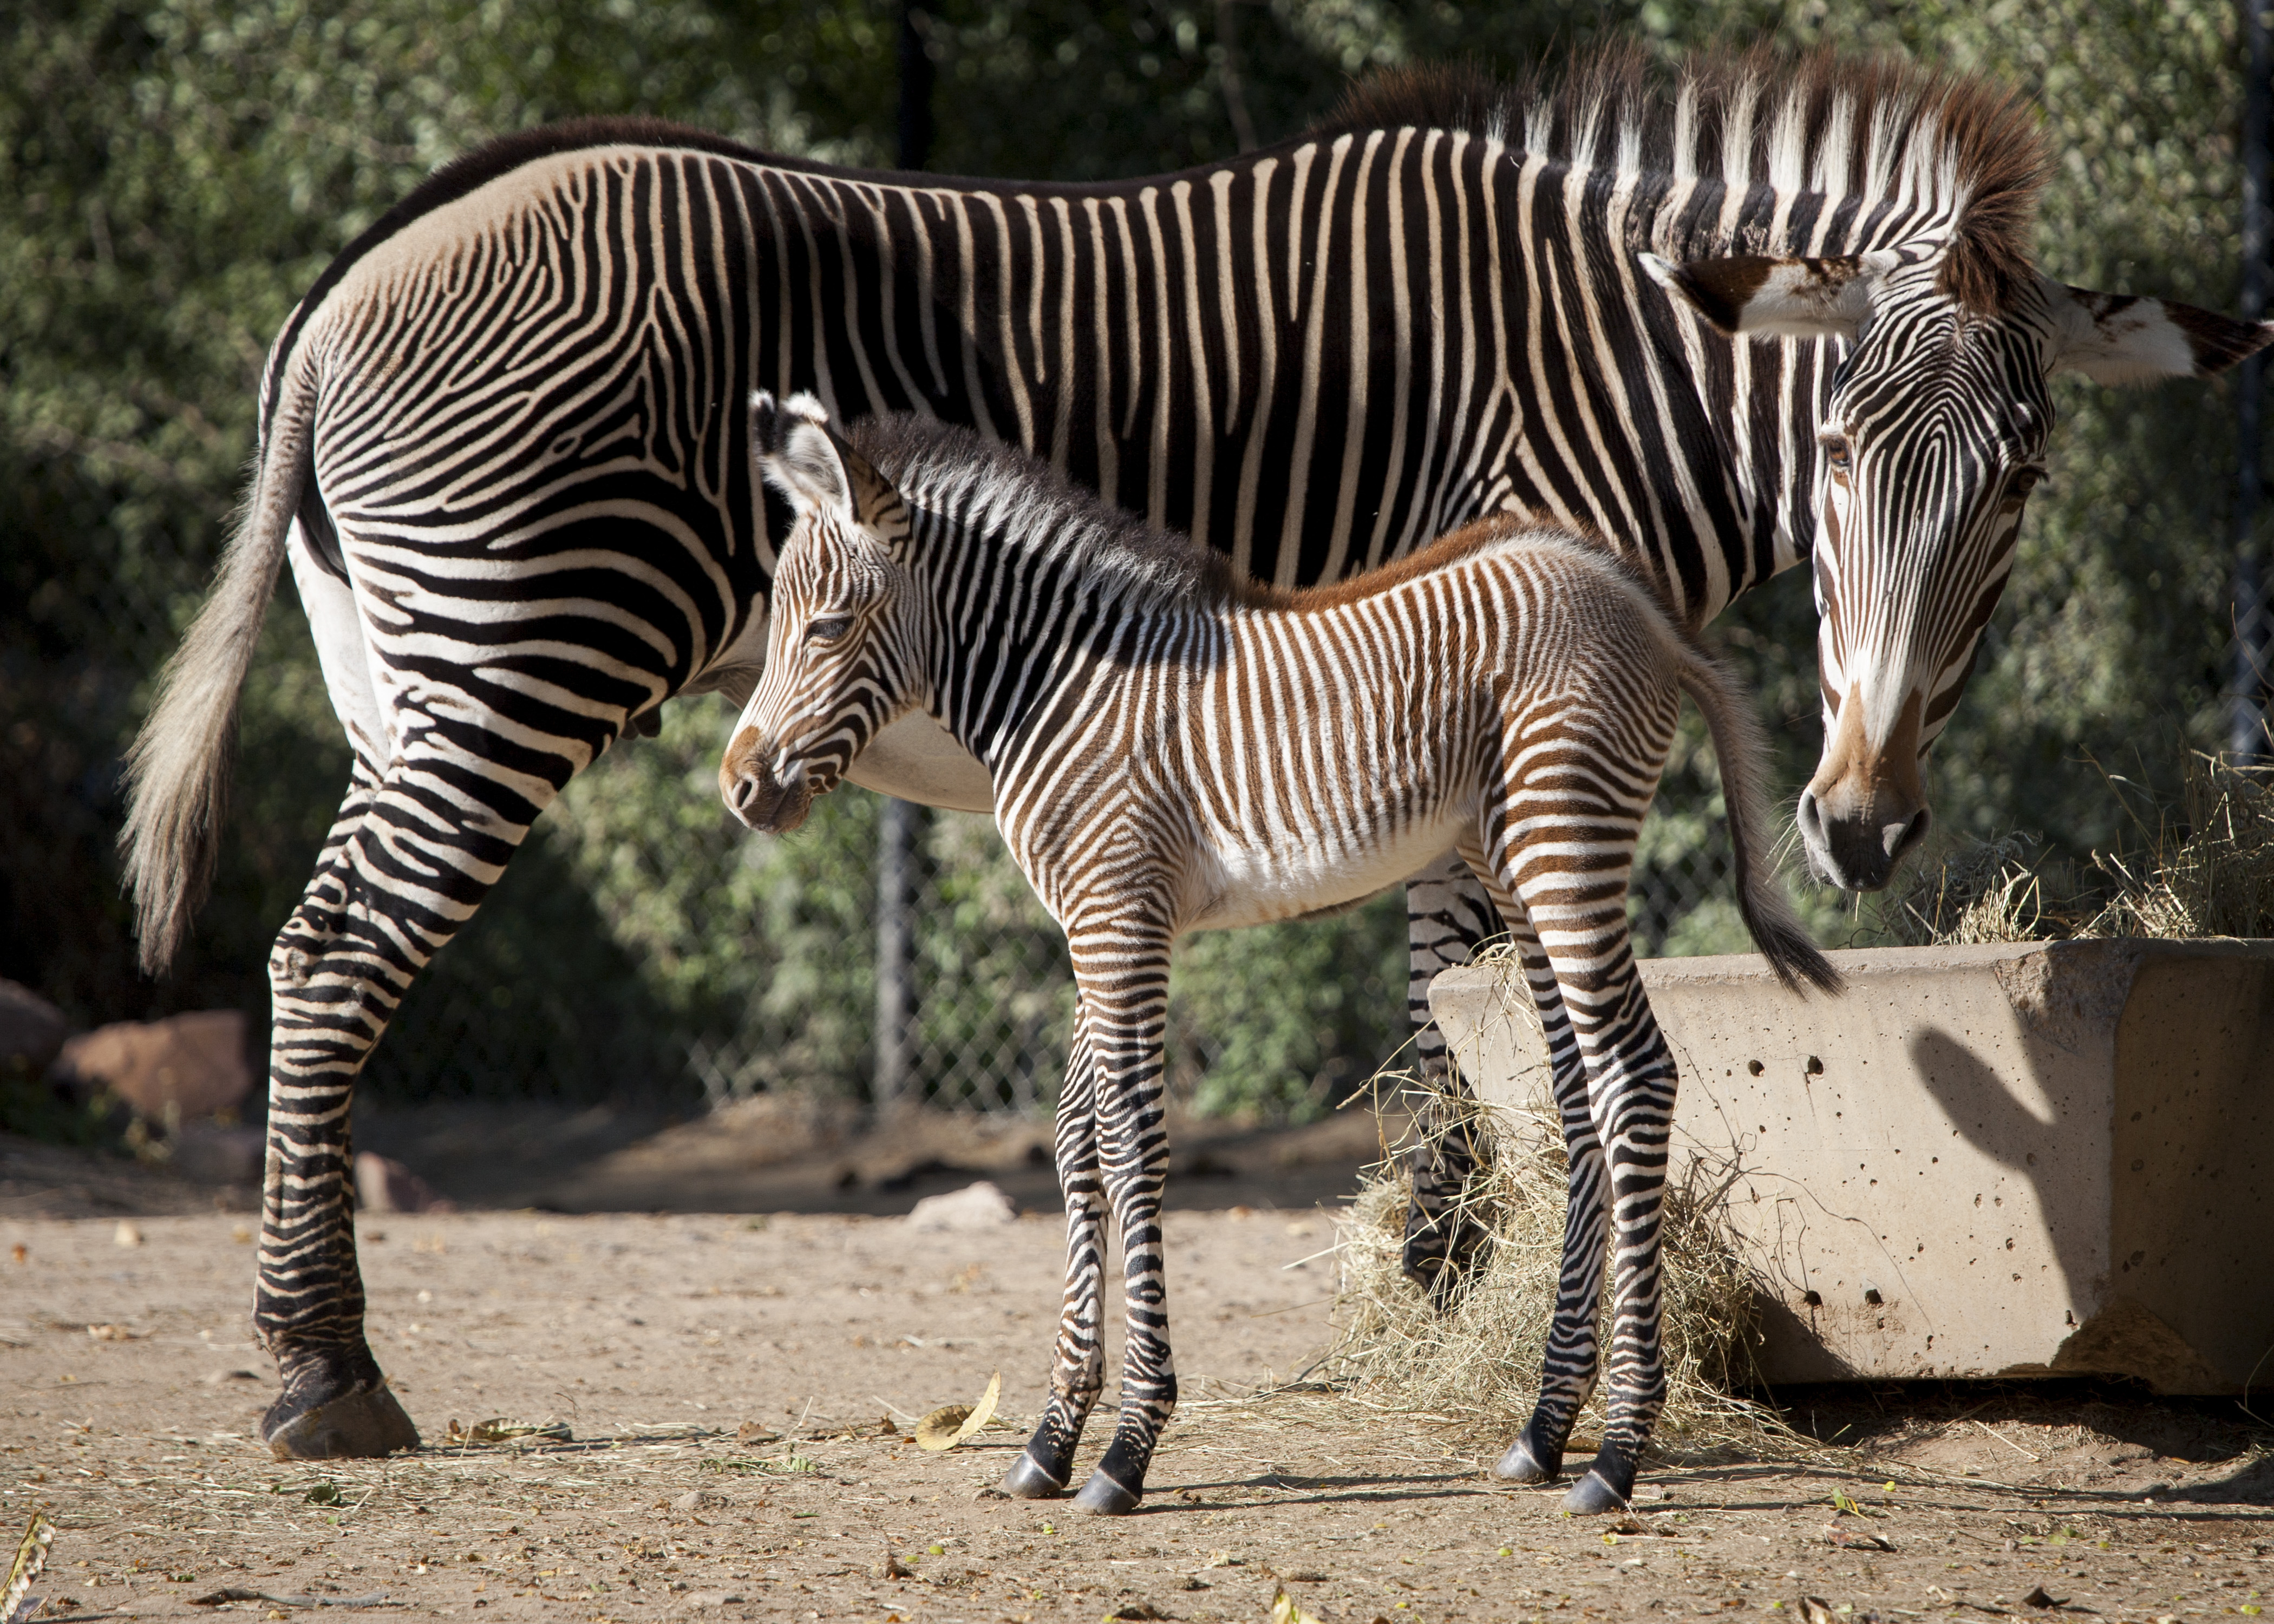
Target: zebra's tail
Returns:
[[178, 770], [1741, 749]]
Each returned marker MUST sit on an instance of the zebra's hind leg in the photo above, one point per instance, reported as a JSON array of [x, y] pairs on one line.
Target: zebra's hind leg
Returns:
[[1078, 1361], [1446, 914], [408, 861], [1125, 993]]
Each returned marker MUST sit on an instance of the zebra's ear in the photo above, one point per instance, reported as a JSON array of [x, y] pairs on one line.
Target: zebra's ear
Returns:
[[1777, 298], [798, 455], [2117, 339]]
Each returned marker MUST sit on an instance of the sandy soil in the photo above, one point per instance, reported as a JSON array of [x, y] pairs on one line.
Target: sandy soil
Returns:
[[131, 1390]]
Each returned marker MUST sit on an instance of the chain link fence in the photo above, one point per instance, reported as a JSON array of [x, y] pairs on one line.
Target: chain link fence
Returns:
[[719, 963]]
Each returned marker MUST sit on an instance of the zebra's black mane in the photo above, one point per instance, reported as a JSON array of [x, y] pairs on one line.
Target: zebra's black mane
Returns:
[[1819, 122]]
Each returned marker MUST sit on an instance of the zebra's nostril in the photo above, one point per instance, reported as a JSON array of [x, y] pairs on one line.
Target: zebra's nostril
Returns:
[[746, 791], [1900, 837]]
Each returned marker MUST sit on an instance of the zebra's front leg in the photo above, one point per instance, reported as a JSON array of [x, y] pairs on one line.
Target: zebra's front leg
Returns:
[[1446, 914], [401, 871], [1078, 1361], [1124, 987]]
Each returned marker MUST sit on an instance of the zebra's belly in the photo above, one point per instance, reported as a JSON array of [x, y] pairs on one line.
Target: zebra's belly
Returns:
[[1254, 882]]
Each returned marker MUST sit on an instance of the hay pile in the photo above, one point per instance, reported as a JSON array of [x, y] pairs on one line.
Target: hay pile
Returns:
[[1477, 1366], [2200, 867]]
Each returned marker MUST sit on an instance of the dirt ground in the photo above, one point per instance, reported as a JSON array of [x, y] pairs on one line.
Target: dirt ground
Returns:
[[131, 1390]]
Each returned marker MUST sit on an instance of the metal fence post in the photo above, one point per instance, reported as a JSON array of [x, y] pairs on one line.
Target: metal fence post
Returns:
[[900, 831], [2247, 686]]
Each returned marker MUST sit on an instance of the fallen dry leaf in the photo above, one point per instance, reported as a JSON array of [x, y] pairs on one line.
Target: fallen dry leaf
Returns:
[[1284, 1610], [950, 1424], [2038, 1598], [503, 1429], [1853, 1539], [751, 1432], [126, 1235], [18, 1252]]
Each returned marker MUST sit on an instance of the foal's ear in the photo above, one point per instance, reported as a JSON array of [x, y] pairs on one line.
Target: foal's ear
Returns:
[[1777, 298], [2116, 338], [801, 456]]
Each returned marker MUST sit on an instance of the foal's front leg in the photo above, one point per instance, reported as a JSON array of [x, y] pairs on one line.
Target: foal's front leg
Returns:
[[1078, 1361], [1124, 977]]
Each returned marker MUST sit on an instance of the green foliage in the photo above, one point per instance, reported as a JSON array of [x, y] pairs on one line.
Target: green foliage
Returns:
[[1285, 1020]]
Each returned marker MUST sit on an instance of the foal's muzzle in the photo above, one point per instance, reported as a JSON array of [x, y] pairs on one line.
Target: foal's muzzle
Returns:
[[752, 792]]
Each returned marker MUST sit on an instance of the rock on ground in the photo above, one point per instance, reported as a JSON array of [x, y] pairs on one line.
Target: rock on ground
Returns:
[[979, 1205]]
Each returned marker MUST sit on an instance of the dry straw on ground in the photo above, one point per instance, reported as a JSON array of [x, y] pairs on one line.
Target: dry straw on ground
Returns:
[[1476, 1367]]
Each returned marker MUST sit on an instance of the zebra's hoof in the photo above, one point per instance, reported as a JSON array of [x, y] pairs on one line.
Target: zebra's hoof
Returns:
[[357, 1425], [1027, 1480], [1103, 1496], [1591, 1497], [1520, 1465]]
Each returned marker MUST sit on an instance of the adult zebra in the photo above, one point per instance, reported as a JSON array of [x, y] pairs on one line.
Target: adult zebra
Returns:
[[503, 443]]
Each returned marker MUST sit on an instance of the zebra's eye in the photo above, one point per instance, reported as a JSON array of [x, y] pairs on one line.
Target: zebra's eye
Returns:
[[1835, 453], [828, 628], [2022, 481]]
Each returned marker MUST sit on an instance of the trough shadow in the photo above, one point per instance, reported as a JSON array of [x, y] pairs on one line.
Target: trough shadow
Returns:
[[2004, 1127]]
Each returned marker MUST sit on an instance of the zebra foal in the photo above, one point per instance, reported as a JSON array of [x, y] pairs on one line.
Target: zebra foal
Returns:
[[1175, 747]]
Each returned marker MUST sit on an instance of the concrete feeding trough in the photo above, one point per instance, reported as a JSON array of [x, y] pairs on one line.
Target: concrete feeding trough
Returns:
[[2034, 1159]]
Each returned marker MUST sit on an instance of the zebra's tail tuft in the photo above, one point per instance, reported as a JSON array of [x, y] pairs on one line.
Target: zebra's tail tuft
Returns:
[[1742, 749], [178, 770]]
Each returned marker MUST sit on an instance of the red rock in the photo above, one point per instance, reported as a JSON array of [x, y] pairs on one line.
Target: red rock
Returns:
[[387, 1186], [31, 1028], [193, 1062]]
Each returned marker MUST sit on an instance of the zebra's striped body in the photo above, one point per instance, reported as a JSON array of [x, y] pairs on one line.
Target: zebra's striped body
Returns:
[[504, 448], [1173, 750]]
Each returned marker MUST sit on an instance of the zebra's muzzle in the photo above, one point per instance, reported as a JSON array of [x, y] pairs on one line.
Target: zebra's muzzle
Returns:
[[753, 793], [1866, 811]]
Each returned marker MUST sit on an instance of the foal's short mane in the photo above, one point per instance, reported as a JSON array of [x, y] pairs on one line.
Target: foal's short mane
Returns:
[[940, 465], [1801, 123]]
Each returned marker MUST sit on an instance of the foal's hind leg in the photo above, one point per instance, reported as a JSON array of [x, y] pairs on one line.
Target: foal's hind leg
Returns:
[[1573, 1357], [1078, 1361]]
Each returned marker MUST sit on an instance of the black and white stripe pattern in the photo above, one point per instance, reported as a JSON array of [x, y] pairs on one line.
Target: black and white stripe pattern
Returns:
[[1174, 750], [504, 448]]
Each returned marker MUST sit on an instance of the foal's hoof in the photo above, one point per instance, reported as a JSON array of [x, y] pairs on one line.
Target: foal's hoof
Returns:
[[1521, 1465], [1592, 1496], [1105, 1497], [1027, 1480], [360, 1424]]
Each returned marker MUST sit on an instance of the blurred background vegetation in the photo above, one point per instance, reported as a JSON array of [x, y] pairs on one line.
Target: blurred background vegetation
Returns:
[[174, 172]]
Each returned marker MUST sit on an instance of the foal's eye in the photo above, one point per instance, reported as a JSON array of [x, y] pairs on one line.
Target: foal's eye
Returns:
[[828, 628], [1835, 452]]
